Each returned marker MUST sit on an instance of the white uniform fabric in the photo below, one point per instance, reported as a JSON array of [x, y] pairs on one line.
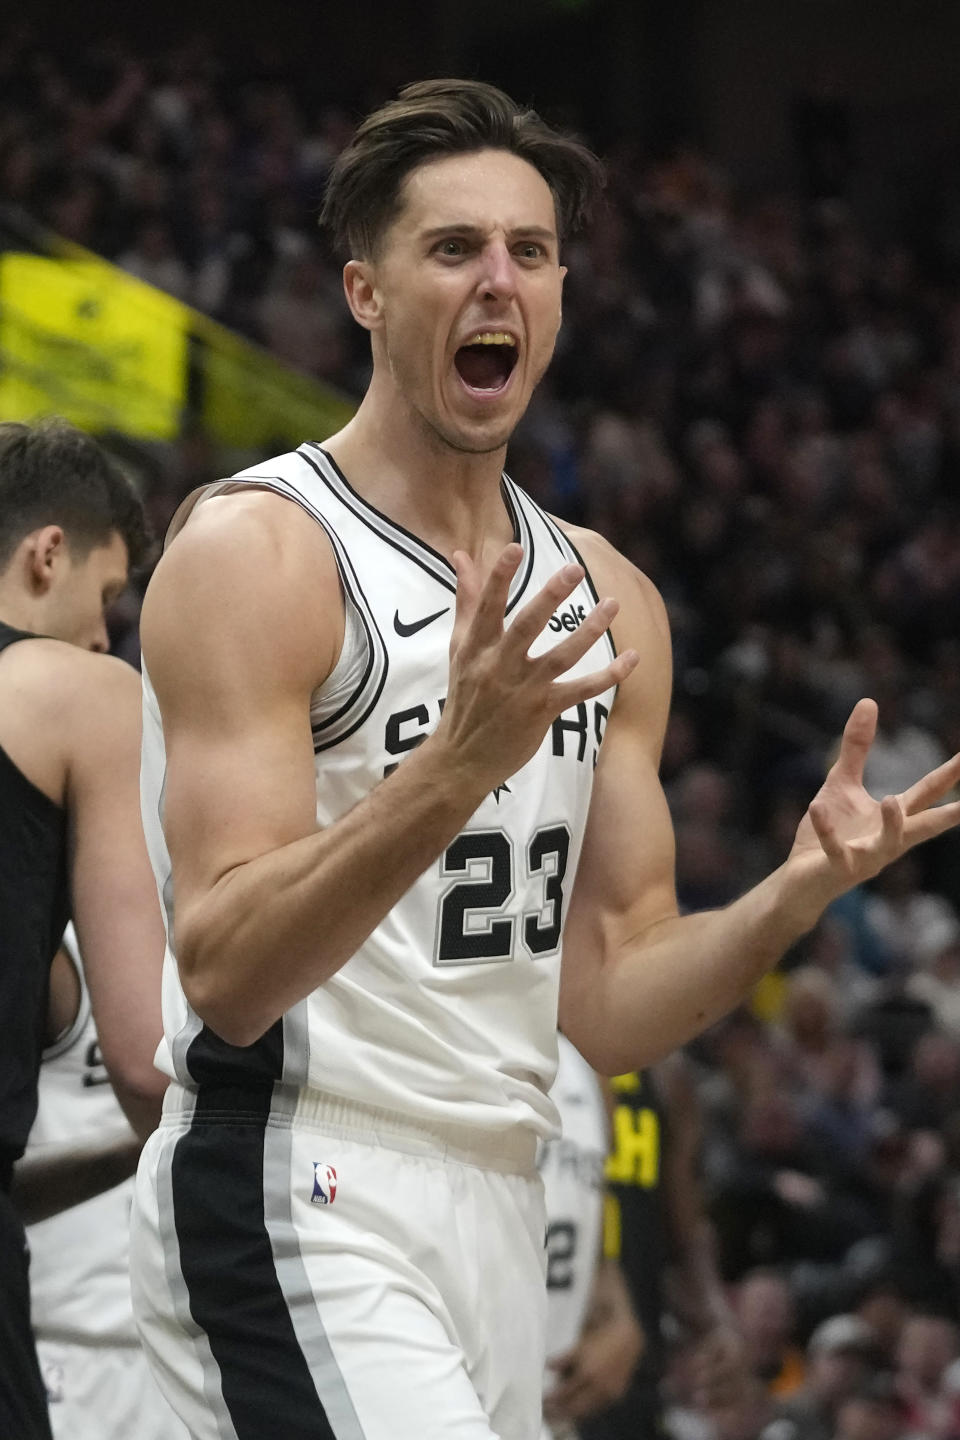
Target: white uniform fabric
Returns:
[[98, 1381], [398, 1292], [444, 1020], [572, 1166]]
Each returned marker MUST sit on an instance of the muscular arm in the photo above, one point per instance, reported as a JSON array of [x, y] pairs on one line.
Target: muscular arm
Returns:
[[52, 1178], [242, 621], [115, 905], [694, 1287], [638, 979]]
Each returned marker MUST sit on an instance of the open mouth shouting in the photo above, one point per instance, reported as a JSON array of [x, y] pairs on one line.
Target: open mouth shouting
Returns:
[[486, 361]]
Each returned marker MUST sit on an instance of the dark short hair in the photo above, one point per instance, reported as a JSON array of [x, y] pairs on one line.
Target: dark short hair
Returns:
[[447, 117], [52, 473]]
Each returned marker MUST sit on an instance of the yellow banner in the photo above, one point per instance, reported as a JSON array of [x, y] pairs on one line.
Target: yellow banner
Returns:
[[82, 339], [251, 399]]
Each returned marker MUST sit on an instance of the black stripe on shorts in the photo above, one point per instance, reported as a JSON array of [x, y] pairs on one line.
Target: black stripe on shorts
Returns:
[[227, 1264]]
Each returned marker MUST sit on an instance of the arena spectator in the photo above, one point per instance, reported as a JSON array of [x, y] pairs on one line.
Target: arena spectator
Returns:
[[757, 397], [840, 1353]]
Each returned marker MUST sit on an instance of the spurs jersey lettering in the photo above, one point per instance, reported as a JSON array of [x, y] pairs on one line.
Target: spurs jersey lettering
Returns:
[[447, 1012], [571, 1165], [79, 1273]]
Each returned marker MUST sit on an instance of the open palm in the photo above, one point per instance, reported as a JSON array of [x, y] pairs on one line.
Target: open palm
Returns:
[[846, 834]]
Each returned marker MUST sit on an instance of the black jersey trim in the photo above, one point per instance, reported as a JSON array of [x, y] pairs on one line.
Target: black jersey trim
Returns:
[[212, 1061], [48, 810], [10, 635], [422, 554], [343, 722], [523, 535], [403, 540]]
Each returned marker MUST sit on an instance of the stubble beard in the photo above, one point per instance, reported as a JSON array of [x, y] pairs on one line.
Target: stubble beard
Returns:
[[443, 438], [461, 445], [447, 439]]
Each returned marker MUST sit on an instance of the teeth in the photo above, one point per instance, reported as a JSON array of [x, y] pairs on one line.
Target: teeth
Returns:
[[492, 337]]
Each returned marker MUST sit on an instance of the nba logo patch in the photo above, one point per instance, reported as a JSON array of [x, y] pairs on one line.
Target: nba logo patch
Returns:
[[324, 1183]]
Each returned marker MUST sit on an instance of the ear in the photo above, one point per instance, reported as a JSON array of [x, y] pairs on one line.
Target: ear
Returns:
[[363, 296], [45, 551]]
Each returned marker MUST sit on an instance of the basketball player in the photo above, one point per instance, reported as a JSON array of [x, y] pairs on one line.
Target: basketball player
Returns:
[[660, 1232], [388, 723], [50, 1178], [593, 1338], [70, 837], [98, 1382]]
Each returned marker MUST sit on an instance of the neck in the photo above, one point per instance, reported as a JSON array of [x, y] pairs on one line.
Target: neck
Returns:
[[20, 611], [449, 498]]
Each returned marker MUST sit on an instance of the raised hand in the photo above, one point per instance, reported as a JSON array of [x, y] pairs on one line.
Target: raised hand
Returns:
[[501, 700], [846, 836]]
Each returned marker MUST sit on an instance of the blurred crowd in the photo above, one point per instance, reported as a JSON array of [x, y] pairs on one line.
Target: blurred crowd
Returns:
[[757, 398]]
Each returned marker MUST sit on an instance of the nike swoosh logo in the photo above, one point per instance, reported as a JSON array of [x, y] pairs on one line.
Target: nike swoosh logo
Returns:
[[412, 629]]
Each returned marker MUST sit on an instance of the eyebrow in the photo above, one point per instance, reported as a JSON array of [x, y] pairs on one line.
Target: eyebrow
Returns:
[[458, 227]]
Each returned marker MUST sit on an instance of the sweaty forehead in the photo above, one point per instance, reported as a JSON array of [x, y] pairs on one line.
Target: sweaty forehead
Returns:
[[486, 189]]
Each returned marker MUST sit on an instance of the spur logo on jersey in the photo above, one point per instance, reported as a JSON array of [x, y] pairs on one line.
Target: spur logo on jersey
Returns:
[[570, 618], [324, 1183]]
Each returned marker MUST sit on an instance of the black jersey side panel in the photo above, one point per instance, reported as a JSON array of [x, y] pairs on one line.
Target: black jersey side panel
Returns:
[[34, 909]]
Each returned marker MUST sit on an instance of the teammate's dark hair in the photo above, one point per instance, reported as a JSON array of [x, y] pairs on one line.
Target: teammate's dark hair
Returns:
[[52, 473], [446, 117]]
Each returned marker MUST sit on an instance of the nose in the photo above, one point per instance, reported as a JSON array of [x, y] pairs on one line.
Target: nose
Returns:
[[100, 641], [498, 279]]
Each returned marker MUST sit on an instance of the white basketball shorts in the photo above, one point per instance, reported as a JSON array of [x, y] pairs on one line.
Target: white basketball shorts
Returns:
[[343, 1275], [104, 1392]]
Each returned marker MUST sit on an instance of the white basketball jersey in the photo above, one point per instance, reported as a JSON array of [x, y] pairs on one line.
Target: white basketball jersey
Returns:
[[447, 1012], [79, 1274], [572, 1167]]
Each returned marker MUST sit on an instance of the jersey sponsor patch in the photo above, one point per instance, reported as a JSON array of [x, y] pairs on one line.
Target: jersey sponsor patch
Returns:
[[570, 618], [324, 1183]]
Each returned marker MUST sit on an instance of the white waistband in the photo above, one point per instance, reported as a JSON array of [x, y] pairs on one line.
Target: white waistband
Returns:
[[510, 1151]]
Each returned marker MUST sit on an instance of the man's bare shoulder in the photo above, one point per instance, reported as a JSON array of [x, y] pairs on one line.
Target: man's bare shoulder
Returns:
[[251, 573], [60, 706], [229, 534], [45, 675], [641, 604]]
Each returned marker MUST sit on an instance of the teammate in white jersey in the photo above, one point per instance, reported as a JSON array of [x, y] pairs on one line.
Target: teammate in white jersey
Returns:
[[377, 683], [99, 1385], [593, 1337]]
